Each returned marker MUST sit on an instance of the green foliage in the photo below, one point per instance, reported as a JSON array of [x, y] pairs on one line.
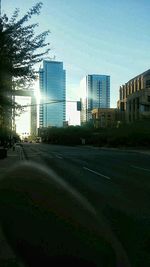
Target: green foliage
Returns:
[[128, 135], [20, 50], [19, 46], [8, 137], [71, 135]]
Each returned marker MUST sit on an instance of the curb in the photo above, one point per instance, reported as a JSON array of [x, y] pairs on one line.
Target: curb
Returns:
[[146, 152]]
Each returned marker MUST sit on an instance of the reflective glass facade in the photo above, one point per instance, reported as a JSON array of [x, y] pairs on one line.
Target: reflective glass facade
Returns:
[[95, 90], [52, 79]]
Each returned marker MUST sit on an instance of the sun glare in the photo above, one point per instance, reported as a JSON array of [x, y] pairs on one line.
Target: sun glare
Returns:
[[23, 120]]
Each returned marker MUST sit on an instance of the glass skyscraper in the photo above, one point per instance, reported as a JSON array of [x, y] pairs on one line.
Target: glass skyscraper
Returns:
[[95, 93], [52, 79]]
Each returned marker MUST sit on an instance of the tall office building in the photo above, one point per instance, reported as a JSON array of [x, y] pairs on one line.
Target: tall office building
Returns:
[[25, 123], [23, 120], [95, 93], [52, 78]]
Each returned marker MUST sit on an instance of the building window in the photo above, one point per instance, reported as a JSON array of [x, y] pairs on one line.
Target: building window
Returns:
[[130, 106], [129, 117], [148, 98], [147, 83], [147, 108], [122, 106], [133, 103], [137, 102]]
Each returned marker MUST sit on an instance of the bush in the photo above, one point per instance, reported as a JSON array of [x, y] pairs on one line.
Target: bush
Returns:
[[135, 134]]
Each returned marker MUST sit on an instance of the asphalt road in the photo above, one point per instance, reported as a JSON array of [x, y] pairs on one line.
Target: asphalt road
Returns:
[[117, 183]]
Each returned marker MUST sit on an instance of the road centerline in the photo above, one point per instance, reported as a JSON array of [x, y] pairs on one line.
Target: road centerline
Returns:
[[97, 173]]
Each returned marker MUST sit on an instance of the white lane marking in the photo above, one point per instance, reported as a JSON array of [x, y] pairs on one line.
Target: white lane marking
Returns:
[[59, 157], [97, 173], [136, 167], [19, 151]]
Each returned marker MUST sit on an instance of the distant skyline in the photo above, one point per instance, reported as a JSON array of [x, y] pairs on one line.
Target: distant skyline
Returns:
[[95, 37]]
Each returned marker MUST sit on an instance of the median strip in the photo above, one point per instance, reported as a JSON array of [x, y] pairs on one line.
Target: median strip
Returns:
[[97, 173]]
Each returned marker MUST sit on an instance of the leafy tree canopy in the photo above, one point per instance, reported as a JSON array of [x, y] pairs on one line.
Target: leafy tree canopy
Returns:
[[20, 50]]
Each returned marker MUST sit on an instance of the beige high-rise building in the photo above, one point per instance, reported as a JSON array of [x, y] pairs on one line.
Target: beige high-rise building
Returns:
[[105, 117], [134, 101]]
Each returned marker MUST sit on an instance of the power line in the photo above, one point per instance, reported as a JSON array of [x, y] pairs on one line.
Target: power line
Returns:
[[51, 102]]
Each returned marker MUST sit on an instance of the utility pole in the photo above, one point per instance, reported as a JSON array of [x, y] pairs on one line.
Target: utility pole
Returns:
[[0, 8], [1, 26]]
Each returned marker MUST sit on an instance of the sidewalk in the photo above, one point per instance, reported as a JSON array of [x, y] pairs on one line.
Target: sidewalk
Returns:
[[12, 158], [7, 257]]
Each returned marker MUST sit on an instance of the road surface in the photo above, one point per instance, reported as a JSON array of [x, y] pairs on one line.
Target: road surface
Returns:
[[116, 182]]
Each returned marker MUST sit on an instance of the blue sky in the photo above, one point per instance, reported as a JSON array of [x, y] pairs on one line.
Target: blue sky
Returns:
[[95, 36]]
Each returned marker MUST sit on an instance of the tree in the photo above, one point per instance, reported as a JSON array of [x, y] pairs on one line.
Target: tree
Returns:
[[20, 50]]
